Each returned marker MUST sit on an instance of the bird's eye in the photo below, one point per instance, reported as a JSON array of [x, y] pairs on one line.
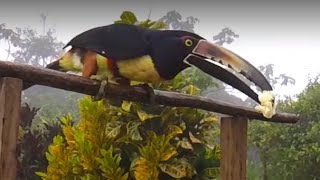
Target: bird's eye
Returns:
[[188, 42]]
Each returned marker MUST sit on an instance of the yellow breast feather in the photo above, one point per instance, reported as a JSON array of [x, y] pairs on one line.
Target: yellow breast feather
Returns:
[[139, 69]]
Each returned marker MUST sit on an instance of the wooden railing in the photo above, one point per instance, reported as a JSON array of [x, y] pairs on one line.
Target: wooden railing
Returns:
[[16, 76]]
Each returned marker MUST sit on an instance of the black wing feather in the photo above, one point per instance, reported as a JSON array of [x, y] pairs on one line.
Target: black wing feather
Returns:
[[116, 41]]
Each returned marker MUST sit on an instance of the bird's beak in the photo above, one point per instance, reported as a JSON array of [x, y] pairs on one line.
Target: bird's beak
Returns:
[[205, 51]]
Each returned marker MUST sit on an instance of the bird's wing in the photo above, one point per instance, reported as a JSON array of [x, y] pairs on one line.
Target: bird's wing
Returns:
[[116, 41]]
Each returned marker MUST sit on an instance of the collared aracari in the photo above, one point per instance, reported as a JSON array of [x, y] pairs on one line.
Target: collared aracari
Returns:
[[124, 53]]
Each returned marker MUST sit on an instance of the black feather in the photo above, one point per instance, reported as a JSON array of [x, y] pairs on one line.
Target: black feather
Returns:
[[116, 41]]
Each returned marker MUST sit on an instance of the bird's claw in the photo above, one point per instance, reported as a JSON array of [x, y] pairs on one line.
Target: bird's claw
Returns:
[[101, 91]]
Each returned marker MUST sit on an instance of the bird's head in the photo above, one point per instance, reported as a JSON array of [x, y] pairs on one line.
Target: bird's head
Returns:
[[184, 49]]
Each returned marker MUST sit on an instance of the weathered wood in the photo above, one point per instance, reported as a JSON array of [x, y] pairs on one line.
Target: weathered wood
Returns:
[[10, 104], [233, 148], [61, 80]]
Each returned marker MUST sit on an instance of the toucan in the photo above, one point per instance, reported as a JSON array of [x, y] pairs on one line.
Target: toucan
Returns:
[[122, 53]]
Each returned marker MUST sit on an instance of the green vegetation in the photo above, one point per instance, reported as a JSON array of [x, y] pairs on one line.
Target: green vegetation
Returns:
[[135, 141], [291, 151]]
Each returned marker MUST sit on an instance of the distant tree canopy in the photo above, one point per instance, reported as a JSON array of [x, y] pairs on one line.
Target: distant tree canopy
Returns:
[[174, 21], [225, 36], [27, 46]]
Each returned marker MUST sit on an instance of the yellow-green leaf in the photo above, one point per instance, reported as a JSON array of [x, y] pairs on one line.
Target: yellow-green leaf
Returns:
[[133, 131], [128, 17], [194, 139], [126, 106], [211, 119], [191, 89], [185, 144], [112, 130], [42, 175], [168, 154], [210, 173], [145, 170], [174, 130], [175, 168], [145, 116]]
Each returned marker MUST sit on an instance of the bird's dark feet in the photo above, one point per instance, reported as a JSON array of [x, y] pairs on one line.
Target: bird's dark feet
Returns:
[[101, 92], [150, 92]]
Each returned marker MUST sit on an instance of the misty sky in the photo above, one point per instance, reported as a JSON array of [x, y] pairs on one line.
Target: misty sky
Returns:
[[284, 33]]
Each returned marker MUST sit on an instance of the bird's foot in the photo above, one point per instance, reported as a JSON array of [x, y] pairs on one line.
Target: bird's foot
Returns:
[[101, 92], [150, 92]]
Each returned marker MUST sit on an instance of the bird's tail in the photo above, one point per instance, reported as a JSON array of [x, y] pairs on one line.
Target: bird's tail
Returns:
[[55, 65]]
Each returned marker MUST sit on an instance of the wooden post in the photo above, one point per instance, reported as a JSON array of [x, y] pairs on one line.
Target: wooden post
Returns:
[[10, 104], [233, 148]]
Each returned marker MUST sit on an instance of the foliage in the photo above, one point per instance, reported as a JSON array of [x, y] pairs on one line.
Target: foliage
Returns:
[[225, 36], [281, 79], [32, 144], [174, 21], [137, 140], [30, 47], [142, 142], [292, 151], [11, 37], [33, 48], [128, 17]]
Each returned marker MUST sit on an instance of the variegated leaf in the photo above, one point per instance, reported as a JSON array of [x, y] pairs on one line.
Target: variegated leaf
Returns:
[[133, 131]]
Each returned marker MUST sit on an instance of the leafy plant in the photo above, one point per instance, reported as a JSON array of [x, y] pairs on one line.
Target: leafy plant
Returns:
[[128, 17], [137, 141], [291, 151], [33, 143], [174, 142]]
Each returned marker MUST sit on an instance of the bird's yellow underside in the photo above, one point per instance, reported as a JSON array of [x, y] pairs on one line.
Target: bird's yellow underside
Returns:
[[139, 69]]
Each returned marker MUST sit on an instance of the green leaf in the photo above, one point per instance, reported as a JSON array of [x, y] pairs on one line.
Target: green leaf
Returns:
[[110, 165], [145, 170], [133, 131], [49, 157], [171, 151], [42, 175], [194, 139], [173, 131], [126, 105], [145, 116], [176, 168], [186, 144], [210, 173], [144, 24], [66, 120], [113, 129], [128, 17]]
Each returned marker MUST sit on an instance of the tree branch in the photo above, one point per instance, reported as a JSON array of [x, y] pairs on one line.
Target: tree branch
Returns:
[[41, 76]]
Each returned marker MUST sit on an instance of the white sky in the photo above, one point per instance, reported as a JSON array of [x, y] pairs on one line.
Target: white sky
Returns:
[[285, 34]]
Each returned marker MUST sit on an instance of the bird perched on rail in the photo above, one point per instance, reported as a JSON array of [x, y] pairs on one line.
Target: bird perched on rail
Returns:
[[122, 53]]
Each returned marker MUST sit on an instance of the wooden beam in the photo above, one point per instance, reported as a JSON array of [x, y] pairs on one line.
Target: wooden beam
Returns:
[[233, 148], [10, 105], [35, 75]]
